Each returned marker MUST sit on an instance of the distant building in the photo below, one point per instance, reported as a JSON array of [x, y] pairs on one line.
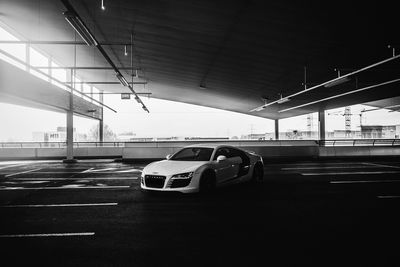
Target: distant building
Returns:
[[380, 131], [60, 135]]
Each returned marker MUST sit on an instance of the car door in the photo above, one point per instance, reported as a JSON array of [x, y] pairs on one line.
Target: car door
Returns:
[[236, 162], [224, 170]]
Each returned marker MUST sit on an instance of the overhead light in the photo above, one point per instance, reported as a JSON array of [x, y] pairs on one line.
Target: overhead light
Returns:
[[138, 99], [122, 80], [337, 82], [258, 109], [283, 100], [102, 5], [80, 28], [126, 53]]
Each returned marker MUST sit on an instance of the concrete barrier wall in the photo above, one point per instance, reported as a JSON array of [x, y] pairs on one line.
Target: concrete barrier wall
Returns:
[[160, 150]]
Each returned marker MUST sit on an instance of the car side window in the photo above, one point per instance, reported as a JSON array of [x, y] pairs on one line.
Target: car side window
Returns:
[[223, 151]]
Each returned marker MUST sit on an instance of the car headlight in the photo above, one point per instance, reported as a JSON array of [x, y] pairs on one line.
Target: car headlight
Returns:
[[186, 175]]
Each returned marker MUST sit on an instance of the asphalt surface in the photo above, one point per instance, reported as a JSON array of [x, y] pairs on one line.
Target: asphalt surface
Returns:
[[93, 213]]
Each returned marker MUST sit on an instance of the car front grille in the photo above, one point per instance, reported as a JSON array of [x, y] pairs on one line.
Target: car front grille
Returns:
[[154, 181]]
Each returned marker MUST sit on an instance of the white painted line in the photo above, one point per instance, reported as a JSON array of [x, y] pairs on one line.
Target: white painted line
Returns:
[[381, 165], [10, 166], [72, 179], [327, 167], [364, 181], [59, 205], [64, 187], [347, 173], [17, 173], [50, 235], [88, 170], [385, 197], [102, 170], [129, 170]]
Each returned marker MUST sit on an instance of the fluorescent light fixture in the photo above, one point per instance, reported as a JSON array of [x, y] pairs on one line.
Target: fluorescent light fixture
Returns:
[[138, 99], [80, 28], [102, 5], [258, 109], [343, 94], [126, 52], [337, 82], [283, 100], [122, 80]]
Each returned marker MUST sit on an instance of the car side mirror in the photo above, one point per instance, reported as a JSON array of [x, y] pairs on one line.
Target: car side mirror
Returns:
[[168, 156], [221, 158]]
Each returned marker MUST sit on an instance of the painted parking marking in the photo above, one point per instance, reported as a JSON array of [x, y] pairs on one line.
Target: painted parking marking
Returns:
[[327, 167], [381, 165], [387, 197], [348, 173], [59, 205], [18, 173], [364, 181], [10, 166], [129, 170], [49, 235], [72, 179], [102, 170], [67, 187], [88, 170]]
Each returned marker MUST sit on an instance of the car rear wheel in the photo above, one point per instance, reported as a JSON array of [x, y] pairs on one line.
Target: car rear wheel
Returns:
[[207, 182], [258, 173]]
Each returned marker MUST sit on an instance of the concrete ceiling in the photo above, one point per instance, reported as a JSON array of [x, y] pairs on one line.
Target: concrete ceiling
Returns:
[[240, 51]]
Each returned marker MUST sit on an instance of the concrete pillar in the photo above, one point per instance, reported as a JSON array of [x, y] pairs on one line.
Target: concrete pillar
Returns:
[[70, 124], [321, 122], [101, 123], [276, 129]]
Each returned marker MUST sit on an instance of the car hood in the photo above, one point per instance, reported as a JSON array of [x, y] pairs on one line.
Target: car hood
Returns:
[[170, 167]]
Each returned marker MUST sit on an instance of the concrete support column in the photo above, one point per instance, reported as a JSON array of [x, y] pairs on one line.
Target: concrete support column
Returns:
[[276, 129], [70, 123], [101, 123], [321, 122]]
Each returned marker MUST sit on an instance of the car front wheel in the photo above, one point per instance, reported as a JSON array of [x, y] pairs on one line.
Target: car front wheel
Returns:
[[258, 173]]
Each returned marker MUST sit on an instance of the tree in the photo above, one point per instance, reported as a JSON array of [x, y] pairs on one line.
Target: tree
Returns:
[[108, 133]]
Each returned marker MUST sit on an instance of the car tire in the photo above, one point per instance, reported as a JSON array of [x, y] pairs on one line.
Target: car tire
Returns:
[[207, 182], [258, 173]]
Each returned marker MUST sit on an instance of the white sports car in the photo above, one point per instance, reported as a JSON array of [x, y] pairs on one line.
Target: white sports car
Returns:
[[201, 168]]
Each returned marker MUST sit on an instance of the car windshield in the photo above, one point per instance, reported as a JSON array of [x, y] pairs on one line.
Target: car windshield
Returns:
[[193, 154]]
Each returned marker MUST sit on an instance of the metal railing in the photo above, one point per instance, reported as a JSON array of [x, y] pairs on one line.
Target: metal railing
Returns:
[[326, 143], [58, 144], [360, 142]]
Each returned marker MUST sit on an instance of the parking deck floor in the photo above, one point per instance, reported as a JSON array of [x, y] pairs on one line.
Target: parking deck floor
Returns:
[[93, 213]]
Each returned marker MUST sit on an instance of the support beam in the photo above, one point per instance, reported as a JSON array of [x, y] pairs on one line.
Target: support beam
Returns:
[[321, 123], [276, 129]]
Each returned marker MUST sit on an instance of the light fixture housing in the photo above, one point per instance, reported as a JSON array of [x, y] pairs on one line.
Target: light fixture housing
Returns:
[[283, 100], [122, 80], [138, 99], [337, 82], [80, 28]]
